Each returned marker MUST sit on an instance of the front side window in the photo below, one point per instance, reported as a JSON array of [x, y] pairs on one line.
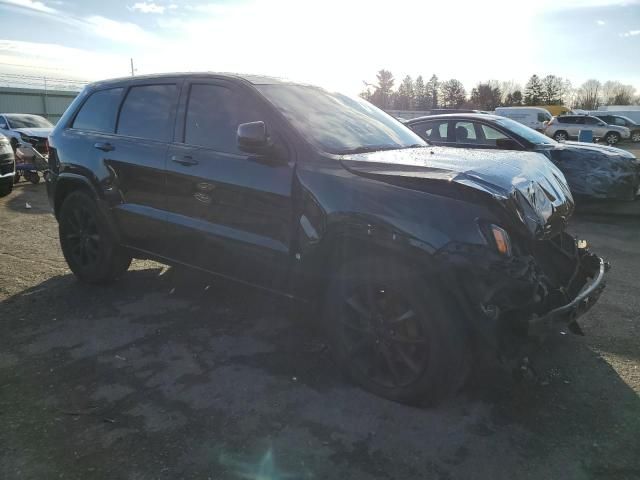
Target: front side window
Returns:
[[544, 117], [525, 132], [619, 121], [491, 135], [146, 112], [98, 113], [339, 124], [213, 115], [27, 121]]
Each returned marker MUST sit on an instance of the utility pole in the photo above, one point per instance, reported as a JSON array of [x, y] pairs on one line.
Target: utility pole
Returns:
[[132, 69]]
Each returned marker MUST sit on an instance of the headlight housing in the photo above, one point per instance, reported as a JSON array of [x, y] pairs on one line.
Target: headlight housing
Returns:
[[497, 237]]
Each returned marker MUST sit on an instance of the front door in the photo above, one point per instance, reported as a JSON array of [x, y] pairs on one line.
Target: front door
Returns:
[[229, 212], [137, 156]]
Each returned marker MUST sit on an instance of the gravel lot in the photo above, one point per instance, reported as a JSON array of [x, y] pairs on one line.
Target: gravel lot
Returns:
[[166, 374]]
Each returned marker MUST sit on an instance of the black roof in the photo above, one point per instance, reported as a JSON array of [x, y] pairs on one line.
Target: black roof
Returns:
[[454, 116], [253, 79]]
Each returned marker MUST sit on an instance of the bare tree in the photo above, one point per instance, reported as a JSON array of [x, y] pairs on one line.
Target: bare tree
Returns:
[[615, 93], [508, 88], [588, 95]]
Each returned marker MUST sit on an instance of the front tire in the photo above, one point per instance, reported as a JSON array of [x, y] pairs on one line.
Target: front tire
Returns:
[[612, 138], [560, 136], [87, 242], [393, 333], [6, 188]]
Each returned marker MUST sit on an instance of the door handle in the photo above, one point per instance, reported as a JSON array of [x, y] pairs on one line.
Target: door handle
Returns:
[[186, 160], [104, 146]]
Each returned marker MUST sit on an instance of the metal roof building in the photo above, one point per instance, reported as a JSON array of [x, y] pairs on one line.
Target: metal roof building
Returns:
[[50, 104]]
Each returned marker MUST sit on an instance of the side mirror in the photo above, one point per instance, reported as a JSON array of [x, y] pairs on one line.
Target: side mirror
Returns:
[[252, 137], [507, 144]]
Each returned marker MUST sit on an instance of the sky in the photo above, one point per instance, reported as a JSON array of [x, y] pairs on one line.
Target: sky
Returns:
[[338, 44]]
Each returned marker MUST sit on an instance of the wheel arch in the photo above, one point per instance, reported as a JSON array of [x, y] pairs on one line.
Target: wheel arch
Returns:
[[68, 183]]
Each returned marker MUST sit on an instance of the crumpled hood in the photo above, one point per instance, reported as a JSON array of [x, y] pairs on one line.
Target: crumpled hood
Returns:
[[594, 147], [529, 186], [35, 132], [596, 171]]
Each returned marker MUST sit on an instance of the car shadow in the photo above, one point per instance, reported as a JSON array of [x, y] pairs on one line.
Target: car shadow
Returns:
[[207, 374]]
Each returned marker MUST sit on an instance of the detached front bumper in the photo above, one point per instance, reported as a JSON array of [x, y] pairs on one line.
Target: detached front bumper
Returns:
[[566, 315], [526, 295]]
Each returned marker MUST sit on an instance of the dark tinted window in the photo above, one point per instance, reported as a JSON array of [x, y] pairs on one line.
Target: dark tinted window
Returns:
[[99, 112], [146, 112], [464, 132], [213, 115], [592, 121], [433, 131]]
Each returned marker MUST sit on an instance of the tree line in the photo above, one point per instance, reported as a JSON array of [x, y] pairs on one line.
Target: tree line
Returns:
[[417, 94]]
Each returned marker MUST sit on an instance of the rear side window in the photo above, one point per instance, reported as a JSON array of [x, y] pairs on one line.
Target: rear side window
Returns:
[[434, 131], [566, 120], [98, 113], [213, 115], [146, 112]]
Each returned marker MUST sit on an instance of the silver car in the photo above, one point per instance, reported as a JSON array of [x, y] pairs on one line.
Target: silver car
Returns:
[[567, 127]]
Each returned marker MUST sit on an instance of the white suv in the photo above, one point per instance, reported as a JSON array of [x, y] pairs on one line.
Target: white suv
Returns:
[[566, 127]]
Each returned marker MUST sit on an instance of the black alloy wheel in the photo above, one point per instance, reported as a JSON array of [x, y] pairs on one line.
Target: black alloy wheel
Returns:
[[80, 234], [87, 242], [394, 332], [382, 336]]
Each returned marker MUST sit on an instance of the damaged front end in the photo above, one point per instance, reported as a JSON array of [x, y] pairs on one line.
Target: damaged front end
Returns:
[[544, 285]]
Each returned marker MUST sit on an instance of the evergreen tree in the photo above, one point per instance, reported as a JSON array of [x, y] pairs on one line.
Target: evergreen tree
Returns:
[[381, 96], [533, 92], [432, 89], [452, 93], [420, 94]]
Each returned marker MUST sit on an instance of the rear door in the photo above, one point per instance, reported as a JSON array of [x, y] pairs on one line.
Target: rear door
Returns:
[[126, 130], [598, 126], [229, 212], [435, 132]]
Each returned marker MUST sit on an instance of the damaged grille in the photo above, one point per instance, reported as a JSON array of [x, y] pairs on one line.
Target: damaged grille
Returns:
[[40, 144]]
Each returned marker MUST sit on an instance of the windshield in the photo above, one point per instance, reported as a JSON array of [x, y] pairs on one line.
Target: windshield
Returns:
[[525, 132], [339, 124], [27, 121]]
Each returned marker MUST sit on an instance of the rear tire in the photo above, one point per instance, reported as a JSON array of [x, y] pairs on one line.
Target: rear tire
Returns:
[[87, 242], [635, 136], [560, 136], [612, 138], [6, 187], [33, 177], [395, 334]]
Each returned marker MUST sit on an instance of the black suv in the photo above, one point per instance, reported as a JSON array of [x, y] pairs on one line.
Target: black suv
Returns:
[[415, 255], [621, 121]]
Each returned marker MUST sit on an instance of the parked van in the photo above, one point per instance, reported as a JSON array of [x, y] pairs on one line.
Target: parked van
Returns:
[[532, 117]]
